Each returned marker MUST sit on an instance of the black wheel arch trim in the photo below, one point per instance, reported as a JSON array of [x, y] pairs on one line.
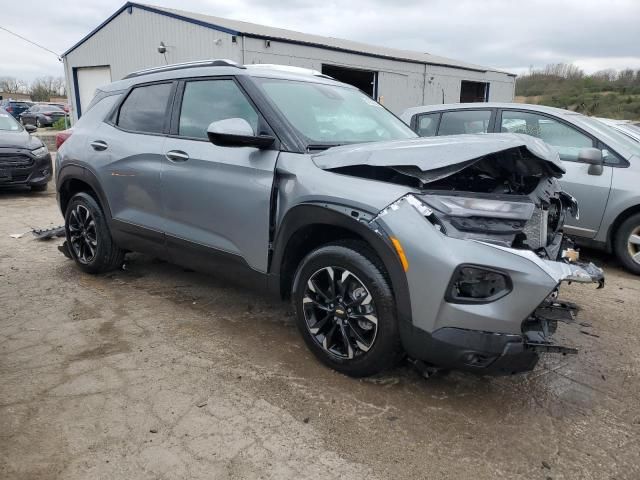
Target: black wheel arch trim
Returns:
[[72, 171], [358, 222]]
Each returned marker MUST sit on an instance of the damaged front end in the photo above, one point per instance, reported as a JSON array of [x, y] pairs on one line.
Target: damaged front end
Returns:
[[497, 191]]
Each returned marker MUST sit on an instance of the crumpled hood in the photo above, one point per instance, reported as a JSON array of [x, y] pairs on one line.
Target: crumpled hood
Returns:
[[441, 155]]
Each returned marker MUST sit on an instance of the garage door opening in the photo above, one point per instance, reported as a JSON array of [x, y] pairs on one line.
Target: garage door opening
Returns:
[[87, 80], [365, 80], [472, 92]]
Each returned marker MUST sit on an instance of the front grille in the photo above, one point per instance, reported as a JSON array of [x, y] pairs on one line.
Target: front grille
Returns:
[[13, 160]]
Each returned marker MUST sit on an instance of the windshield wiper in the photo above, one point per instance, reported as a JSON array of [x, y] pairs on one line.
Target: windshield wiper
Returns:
[[322, 146]]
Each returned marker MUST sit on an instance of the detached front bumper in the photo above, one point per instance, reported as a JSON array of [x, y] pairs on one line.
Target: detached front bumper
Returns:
[[500, 336]]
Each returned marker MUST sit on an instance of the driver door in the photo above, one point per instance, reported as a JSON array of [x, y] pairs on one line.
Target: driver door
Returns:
[[216, 200]]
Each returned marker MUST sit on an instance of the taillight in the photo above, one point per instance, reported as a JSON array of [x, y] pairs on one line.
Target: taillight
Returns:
[[9, 109], [61, 137]]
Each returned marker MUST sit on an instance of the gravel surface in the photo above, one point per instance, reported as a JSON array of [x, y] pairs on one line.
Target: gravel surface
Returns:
[[157, 372]]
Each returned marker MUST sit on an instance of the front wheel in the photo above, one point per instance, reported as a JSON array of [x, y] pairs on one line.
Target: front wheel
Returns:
[[88, 236], [627, 243], [38, 123], [345, 309]]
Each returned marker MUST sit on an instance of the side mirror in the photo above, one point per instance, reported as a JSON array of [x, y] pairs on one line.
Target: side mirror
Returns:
[[30, 128], [236, 132], [592, 157]]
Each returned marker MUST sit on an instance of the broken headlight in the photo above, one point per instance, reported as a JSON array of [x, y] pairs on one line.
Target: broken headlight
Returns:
[[479, 206], [475, 284]]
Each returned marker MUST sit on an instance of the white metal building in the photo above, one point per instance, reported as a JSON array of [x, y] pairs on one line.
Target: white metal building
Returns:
[[129, 40]]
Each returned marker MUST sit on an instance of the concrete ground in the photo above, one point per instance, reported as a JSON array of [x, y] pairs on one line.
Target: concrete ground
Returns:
[[157, 372]]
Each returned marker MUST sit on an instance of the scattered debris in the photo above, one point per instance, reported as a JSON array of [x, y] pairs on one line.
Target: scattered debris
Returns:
[[64, 248], [392, 418], [17, 235], [201, 404], [585, 324], [546, 465], [49, 233], [154, 430], [305, 420], [589, 334]]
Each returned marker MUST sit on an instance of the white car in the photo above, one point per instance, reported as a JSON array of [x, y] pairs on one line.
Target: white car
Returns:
[[629, 128]]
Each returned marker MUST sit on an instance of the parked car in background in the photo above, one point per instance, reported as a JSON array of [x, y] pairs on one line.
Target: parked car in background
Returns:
[[288, 180], [24, 159], [63, 106], [42, 115], [628, 127], [15, 107], [603, 164]]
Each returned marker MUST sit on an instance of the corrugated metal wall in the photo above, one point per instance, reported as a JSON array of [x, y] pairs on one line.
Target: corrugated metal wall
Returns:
[[130, 41]]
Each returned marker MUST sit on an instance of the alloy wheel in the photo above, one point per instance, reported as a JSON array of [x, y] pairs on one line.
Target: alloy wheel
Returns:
[[340, 313], [633, 244], [82, 234]]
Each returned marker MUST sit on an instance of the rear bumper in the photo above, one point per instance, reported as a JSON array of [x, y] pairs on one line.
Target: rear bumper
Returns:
[[39, 172]]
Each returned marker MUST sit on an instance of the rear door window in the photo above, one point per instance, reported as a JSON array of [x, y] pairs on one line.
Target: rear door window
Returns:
[[427, 124], [464, 121], [145, 108], [567, 140], [207, 101]]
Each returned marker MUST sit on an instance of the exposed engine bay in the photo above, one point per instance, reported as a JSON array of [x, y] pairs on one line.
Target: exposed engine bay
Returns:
[[510, 197]]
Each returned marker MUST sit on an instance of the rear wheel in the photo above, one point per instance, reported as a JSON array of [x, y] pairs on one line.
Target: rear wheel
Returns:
[[627, 243], [88, 236], [345, 309]]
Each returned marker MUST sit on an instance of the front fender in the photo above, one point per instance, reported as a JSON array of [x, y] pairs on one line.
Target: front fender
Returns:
[[356, 221]]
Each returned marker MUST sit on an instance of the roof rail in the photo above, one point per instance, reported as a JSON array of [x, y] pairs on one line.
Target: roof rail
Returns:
[[179, 66], [289, 69]]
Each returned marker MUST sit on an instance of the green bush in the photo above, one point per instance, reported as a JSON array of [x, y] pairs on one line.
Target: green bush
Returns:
[[60, 125], [605, 94]]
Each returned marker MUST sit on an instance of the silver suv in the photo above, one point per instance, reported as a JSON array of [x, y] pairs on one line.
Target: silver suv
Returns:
[[450, 252], [605, 180]]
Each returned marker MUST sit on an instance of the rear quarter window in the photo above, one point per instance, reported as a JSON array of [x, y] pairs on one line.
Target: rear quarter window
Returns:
[[144, 110]]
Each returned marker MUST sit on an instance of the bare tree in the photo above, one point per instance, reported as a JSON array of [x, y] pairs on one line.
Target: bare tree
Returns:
[[12, 85], [59, 87], [40, 89]]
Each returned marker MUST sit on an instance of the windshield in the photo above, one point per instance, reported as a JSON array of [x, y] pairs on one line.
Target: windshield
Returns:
[[51, 108], [8, 123], [333, 115], [610, 136]]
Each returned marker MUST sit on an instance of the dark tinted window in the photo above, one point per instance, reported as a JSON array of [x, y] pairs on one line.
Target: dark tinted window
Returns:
[[427, 124], [207, 101], [464, 121], [145, 108]]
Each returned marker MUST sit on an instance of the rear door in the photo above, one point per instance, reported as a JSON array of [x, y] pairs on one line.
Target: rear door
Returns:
[[216, 200], [127, 154], [591, 191]]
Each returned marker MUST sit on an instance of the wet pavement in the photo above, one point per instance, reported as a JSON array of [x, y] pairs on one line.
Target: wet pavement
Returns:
[[158, 372]]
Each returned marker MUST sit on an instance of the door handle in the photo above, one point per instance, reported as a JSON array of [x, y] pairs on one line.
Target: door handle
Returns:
[[177, 156], [99, 145]]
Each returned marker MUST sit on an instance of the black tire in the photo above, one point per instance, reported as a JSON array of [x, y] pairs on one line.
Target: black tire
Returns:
[[367, 270], [621, 243], [39, 188], [106, 255]]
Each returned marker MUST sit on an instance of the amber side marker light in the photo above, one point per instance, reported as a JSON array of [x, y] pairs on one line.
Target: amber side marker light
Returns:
[[400, 252]]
